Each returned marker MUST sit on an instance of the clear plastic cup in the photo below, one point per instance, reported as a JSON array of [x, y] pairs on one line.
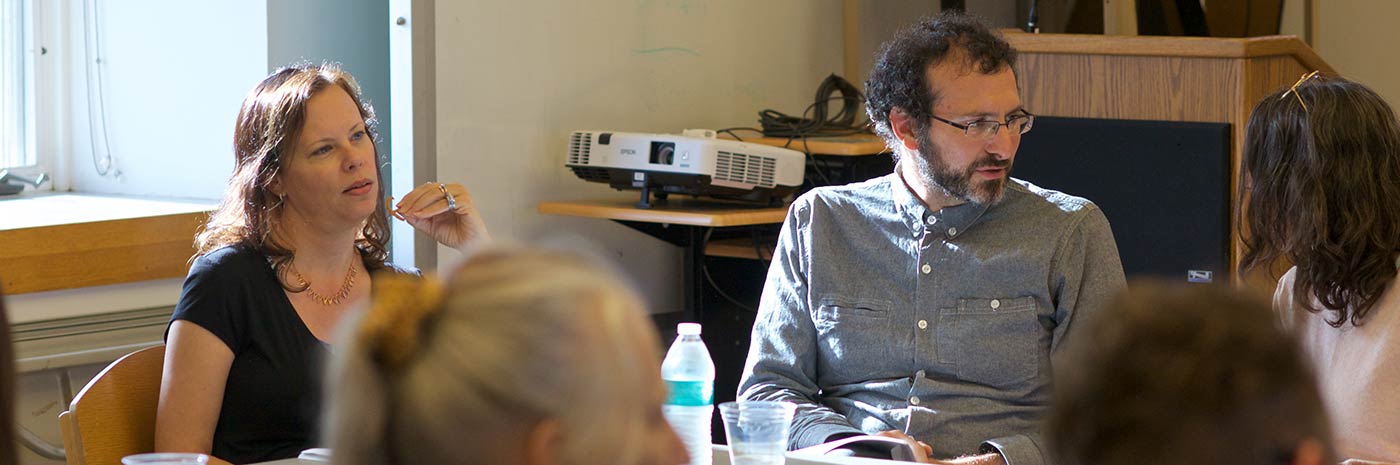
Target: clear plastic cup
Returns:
[[166, 458], [757, 431]]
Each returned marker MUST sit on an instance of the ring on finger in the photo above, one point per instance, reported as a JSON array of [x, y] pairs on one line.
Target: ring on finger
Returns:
[[451, 201]]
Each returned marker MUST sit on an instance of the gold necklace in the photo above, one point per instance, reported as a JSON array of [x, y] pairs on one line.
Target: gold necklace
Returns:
[[332, 300]]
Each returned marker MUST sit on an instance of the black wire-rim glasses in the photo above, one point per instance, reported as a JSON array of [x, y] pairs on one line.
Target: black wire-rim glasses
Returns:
[[987, 129]]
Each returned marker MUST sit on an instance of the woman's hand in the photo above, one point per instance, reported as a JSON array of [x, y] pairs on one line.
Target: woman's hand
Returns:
[[428, 208]]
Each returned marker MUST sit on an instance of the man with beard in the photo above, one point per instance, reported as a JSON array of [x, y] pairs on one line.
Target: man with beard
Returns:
[[926, 304]]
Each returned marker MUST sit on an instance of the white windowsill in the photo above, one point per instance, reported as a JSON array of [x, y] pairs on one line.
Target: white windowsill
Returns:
[[58, 208], [55, 212]]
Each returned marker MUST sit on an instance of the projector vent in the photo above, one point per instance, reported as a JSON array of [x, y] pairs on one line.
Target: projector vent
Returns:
[[744, 168], [591, 174], [580, 144]]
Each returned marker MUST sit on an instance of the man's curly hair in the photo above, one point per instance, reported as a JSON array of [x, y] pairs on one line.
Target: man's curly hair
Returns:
[[899, 77]]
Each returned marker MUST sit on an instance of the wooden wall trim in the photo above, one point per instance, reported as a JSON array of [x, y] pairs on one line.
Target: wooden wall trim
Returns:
[[70, 256]]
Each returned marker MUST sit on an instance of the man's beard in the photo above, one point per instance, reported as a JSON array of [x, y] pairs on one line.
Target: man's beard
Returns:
[[935, 172]]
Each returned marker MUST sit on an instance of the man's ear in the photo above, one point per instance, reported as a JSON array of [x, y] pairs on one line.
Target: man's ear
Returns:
[[542, 443], [903, 126], [1309, 452]]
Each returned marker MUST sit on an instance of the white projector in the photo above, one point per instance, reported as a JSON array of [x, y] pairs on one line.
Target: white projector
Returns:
[[695, 163]]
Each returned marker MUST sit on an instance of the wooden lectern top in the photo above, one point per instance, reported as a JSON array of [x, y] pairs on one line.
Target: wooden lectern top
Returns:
[[1168, 46]]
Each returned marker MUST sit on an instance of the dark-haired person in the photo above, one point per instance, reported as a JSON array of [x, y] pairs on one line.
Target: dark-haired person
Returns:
[[1185, 374], [285, 256], [1323, 166], [927, 303], [7, 391]]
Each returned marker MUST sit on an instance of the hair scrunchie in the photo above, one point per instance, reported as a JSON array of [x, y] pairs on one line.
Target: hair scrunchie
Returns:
[[390, 331]]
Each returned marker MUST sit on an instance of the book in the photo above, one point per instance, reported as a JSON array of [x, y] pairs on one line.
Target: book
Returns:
[[319, 454], [869, 446]]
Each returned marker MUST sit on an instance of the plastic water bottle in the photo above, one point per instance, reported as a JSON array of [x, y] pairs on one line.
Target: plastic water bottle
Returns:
[[689, 373]]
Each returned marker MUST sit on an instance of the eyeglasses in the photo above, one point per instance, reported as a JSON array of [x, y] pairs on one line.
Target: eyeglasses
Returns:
[[987, 129], [1294, 88]]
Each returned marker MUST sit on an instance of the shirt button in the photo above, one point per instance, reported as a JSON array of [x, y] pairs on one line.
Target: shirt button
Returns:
[[919, 374], [952, 231], [996, 304], [926, 268], [932, 220], [914, 400], [923, 324]]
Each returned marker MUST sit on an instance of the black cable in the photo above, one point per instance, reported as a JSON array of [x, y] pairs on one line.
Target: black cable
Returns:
[[731, 133], [721, 292], [813, 164], [705, 270], [820, 169], [846, 121], [758, 248], [816, 121]]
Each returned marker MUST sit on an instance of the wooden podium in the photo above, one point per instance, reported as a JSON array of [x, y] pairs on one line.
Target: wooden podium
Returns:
[[1194, 79]]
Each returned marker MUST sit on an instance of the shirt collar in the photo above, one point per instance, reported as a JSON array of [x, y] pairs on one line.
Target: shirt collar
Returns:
[[950, 221]]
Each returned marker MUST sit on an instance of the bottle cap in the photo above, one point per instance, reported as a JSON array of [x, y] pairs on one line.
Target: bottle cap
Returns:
[[688, 329]]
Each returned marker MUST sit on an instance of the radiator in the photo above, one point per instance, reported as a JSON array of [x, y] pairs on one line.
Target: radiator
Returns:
[[56, 358]]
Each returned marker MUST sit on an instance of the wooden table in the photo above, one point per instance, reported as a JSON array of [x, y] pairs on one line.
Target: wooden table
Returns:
[[681, 222], [685, 212], [856, 145], [721, 457]]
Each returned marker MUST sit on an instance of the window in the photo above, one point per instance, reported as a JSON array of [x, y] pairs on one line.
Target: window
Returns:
[[16, 84]]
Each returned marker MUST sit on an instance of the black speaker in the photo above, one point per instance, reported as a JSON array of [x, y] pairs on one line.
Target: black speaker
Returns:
[[1164, 186]]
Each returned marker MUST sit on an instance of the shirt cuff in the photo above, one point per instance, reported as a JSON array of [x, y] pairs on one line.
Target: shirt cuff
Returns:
[[1015, 450], [819, 433]]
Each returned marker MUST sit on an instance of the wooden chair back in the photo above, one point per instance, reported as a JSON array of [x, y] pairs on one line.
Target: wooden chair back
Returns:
[[115, 414]]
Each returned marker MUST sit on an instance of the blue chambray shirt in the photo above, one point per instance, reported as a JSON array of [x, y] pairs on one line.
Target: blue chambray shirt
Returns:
[[879, 314]]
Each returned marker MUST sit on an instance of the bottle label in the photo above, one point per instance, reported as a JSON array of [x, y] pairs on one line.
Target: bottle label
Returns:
[[690, 393]]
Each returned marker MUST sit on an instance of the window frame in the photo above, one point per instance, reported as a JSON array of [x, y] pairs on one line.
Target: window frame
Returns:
[[40, 85]]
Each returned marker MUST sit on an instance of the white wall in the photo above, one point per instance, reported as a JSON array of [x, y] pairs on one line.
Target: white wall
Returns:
[[173, 74], [877, 22], [514, 78], [1359, 39]]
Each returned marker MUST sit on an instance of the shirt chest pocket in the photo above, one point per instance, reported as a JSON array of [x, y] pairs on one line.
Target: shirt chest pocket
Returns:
[[994, 342], [852, 329]]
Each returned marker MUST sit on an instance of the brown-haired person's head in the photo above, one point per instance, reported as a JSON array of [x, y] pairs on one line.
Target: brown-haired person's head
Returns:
[[303, 137], [1179, 374], [1321, 162]]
